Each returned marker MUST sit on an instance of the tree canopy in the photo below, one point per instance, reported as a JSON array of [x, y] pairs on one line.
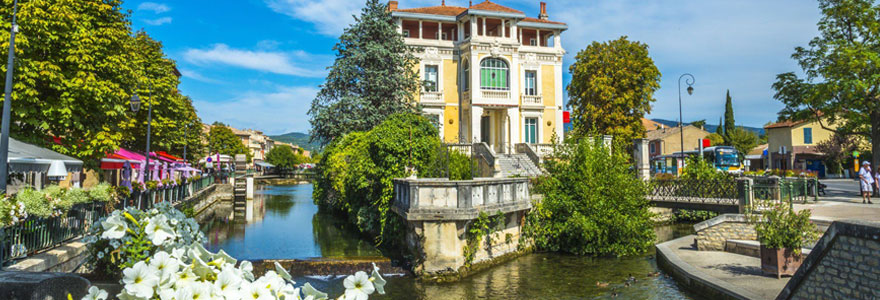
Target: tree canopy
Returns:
[[77, 64], [743, 140], [729, 121], [373, 77], [612, 88], [840, 87], [285, 157], [222, 140]]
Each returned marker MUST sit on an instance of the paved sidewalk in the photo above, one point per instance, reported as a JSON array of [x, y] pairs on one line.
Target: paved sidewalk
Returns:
[[836, 210], [736, 275]]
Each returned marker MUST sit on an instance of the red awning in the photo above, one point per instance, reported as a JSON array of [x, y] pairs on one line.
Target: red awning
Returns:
[[169, 156]]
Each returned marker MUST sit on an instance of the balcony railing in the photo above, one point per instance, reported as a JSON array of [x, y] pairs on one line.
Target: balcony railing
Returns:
[[535, 100], [495, 95], [432, 97]]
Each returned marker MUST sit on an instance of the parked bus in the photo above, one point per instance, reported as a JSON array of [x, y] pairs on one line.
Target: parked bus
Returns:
[[722, 158]]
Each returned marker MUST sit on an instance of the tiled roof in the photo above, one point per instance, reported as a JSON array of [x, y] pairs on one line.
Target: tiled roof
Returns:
[[784, 124], [436, 10], [489, 5], [662, 133], [527, 19]]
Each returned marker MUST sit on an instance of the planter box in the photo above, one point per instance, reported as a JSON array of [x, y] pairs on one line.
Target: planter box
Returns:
[[780, 261]]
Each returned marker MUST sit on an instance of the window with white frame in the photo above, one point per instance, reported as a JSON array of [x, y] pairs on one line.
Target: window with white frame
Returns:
[[494, 74], [431, 78], [531, 83], [533, 42], [406, 33], [531, 131]]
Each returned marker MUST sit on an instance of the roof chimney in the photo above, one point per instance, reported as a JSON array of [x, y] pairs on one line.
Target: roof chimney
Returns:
[[392, 5], [543, 14]]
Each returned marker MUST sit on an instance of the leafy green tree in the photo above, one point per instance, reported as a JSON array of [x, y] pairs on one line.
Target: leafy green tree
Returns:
[[836, 150], [284, 157], [612, 88], [715, 139], [373, 77], [158, 79], [743, 140], [701, 124], [592, 204], [729, 122], [72, 74], [840, 88], [222, 140]]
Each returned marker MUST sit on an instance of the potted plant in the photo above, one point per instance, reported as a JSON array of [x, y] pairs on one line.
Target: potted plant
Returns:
[[782, 233]]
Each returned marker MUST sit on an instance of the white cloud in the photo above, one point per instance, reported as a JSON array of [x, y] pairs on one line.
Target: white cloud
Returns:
[[265, 61], [154, 7], [190, 74], [330, 17], [159, 21], [277, 112]]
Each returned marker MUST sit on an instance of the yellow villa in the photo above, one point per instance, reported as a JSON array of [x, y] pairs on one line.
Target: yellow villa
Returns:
[[491, 73]]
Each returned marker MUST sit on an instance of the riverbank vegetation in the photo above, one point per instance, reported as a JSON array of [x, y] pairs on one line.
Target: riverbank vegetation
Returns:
[[356, 173], [592, 205]]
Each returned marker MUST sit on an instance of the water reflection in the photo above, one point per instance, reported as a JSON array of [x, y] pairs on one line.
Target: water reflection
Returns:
[[544, 276], [281, 222]]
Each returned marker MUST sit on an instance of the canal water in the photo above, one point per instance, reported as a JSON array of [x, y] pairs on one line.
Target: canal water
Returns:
[[284, 223]]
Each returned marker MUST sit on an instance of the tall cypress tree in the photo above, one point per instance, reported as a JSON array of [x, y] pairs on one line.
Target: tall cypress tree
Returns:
[[729, 123], [373, 77], [720, 129]]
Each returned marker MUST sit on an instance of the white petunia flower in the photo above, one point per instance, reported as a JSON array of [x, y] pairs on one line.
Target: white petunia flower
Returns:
[[228, 283], [271, 281], [158, 230], [250, 291], [377, 280], [201, 291], [140, 280], [95, 294], [185, 278], [114, 227], [358, 286], [288, 292], [164, 263], [309, 291]]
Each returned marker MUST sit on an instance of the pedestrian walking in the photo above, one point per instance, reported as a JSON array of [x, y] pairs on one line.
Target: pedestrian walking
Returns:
[[866, 182]]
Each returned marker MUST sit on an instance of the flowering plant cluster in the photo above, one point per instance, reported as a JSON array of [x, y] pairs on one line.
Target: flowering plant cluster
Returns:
[[11, 212], [129, 236], [53, 201], [151, 185], [195, 273]]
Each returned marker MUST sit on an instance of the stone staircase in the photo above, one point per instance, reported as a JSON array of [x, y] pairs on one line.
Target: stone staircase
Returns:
[[518, 164]]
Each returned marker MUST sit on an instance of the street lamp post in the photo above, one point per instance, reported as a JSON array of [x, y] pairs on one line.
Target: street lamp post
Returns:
[[135, 106], [185, 133], [690, 90], [4, 131]]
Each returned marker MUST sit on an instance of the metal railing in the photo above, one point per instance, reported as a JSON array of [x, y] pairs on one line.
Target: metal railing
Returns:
[[173, 194], [38, 234], [687, 188]]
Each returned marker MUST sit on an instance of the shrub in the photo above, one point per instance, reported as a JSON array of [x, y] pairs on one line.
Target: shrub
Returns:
[[128, 236], [103, 192], [356, 173], [35, 203], [781, 227], [699, 169], [592, 203]]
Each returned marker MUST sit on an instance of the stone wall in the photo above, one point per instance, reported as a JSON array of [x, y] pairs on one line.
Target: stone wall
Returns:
[[844, 264], [712, 235], [438, 214]]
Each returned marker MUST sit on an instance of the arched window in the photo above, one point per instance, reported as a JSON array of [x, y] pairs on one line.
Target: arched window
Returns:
[[466, 75], [494, 74]]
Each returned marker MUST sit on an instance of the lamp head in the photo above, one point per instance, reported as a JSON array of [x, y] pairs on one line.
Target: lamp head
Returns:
[[135, 102], [690, 90]]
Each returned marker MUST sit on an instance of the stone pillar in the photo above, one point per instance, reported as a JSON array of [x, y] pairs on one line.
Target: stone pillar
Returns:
[[745, 193], [642, 160], [476, 126], [250, 187]]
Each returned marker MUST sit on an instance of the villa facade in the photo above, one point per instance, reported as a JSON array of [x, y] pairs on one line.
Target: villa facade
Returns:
[[490, 73]]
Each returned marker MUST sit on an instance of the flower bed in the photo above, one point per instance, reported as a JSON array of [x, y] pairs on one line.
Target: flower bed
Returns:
[[36, 220], [157, 254]]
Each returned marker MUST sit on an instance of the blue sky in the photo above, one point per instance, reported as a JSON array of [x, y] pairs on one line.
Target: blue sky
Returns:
[[258, 63]]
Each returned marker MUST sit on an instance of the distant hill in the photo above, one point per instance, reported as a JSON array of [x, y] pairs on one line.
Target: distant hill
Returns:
[[709, 127], [297, 138]]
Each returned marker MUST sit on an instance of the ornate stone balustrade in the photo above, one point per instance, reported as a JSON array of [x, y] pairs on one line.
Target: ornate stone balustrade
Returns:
[[431, 97], [530, 100], [441, 199]]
